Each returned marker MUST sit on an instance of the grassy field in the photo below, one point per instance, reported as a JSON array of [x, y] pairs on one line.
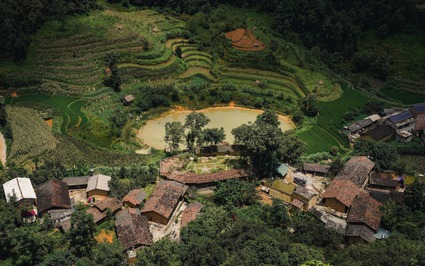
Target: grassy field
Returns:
[[219, 163], [404, 97]]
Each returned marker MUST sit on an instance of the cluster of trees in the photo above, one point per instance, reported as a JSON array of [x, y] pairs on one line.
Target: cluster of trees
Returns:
[[192, 132], [265, 144], [19, 19]]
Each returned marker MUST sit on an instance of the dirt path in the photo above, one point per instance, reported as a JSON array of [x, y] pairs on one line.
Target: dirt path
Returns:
[[3, 149]]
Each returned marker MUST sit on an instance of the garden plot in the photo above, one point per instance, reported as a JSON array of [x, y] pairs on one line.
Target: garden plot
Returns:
[[206, 165]]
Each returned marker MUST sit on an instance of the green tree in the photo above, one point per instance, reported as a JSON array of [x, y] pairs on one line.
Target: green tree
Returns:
[[109, 254], [414, 197], [265, 143], [162, 253], [81, 235], [384, 155], [214, 135], [64, 258], [279, 215], [179, 52], [174, 134], [194, 123], [235, 193]]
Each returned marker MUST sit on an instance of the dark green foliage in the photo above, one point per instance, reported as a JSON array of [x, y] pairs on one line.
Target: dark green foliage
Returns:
[[109, 254], [149, 97], [214, 135], [81, 235], [128, 178], [174, 134], [162, 253], [336, 166], [179, 52], [235, 193], [414, 197], [383, 154], [56, 258], [266, 144], [279, 216], [195, 122], [48, 170]]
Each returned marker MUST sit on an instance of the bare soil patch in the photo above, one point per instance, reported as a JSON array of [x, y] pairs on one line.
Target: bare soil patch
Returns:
[[244, 40]]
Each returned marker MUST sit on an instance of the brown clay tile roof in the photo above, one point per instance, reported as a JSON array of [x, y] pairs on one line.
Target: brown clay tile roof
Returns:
[[192, 210], [99, 208], [132, 230], [164, 198], [297, 203], [108, 203], [191, 178], [383, 179], [65, 225], [362, 231], [135, 197], [343, 190], [53, 194], [356, 169], [76, 181], [365, 210], [319, 168], [304, 192]]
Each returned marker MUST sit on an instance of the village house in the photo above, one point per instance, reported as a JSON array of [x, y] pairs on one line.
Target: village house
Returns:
[[357, 169], [384, 186], [134, 198], [77, 183], [132, 231], [281, 170], [401, 121], [282, 190], [163, 201], [102, 208], [354, 130], [52, 195], [127, 100], [418, 111], [98, 186], [316, 169], [191, 212], [304, 199], [21, 189], [364, 218], [340, 195], [204, 180]]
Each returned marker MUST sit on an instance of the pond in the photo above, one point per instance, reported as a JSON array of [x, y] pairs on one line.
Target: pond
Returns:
[[152, 134]]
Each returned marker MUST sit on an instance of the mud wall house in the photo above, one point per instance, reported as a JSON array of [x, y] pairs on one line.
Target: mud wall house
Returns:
[[418, 111], [191, 212], [103, 209], [340, 195], [364, 218], [135, 198], [98, 186], [316, 169], [76, 183], [163, 201], [202, 181], [282, 190], [132, 231], [307, 197], [52, 195], [21, 189], [357, 170]]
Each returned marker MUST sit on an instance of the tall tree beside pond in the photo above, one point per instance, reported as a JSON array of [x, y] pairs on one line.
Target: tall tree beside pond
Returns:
[[266, 144], [195, 122], [174, 134]]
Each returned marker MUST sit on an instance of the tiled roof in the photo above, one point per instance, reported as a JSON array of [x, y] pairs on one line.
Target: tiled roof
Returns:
[[135, 197], [358, 230], [314, 167], [53, 194], [356, 169], [192, 210], [21, 187], [365, 210], [383, 179], [164, 198], [76, 181], [192, 178], [100, 182], [98, 210], [132, 229], [304, 192], [297, 203], [343, 190]]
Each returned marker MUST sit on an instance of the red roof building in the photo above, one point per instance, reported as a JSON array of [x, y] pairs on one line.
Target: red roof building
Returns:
[[340, 195], [52, 195], [365, 210], [134, 198], [189, 214], [357, 170]]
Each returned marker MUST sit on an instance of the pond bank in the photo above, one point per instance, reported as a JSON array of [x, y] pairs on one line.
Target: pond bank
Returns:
[[152, 134]]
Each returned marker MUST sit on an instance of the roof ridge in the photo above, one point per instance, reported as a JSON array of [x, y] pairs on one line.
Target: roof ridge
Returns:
[[19, 186]]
